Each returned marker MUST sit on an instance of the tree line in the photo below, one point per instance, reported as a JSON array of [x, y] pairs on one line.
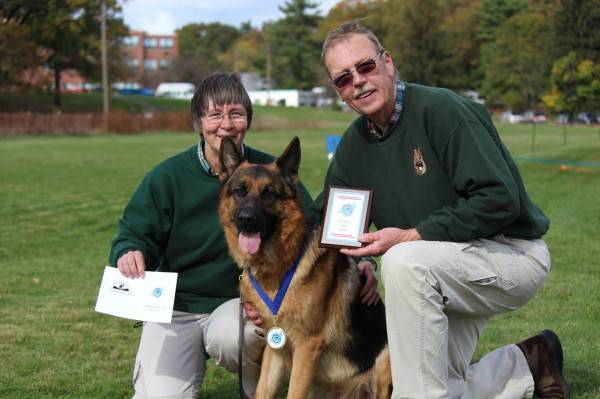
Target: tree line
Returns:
[[518, 54]]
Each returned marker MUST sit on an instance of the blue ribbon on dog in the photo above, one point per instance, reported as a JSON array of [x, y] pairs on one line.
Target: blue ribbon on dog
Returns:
[[275, 304]]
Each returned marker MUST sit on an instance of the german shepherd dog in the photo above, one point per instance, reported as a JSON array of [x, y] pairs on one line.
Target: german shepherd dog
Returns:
[[336, 346]]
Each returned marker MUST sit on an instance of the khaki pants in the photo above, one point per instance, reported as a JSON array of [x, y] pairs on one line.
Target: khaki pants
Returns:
[[171, 359], [440, 296]]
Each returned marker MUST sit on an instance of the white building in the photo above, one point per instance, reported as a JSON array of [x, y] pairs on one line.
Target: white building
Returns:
[[253, 81], [181, 90], [287, 98]]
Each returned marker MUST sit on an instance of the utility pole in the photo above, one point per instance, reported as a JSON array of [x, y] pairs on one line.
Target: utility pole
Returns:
[[236, 52], [105, 107], [268, 74]]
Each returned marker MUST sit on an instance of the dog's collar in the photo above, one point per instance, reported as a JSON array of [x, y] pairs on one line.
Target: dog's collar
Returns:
[[275, 304]]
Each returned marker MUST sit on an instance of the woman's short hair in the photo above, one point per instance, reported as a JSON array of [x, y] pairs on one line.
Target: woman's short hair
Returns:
[[221, 88]]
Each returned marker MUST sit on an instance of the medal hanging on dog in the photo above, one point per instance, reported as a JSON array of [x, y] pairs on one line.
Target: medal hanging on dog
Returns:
[[276, 337]]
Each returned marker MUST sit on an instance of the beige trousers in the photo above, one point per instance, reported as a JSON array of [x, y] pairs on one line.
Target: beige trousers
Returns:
[[440, 296], [171, 359]]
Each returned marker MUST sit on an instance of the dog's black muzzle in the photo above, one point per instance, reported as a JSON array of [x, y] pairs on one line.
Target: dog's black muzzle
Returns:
[[248, 220], [254, 219]]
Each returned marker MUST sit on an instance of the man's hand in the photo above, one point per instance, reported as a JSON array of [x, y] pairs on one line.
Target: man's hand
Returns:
[[380, 241], [253, 314], [368, 294], [132, 264]]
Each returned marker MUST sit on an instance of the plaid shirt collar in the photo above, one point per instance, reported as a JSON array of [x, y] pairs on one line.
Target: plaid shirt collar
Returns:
[[372, 126], [204, 162]]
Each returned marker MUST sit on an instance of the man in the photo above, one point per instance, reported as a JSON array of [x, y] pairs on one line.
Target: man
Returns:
[[460, 238]]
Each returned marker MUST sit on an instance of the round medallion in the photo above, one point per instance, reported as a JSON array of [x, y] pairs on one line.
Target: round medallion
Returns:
[[276, 338]]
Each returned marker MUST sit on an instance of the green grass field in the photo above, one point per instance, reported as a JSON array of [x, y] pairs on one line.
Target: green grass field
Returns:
[[61, 198]]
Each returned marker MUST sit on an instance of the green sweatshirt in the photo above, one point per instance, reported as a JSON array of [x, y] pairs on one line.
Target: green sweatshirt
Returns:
[[172, 218], [442, 169]]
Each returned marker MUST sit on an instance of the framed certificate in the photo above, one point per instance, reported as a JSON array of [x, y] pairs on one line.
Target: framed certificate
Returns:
[[346, 216]]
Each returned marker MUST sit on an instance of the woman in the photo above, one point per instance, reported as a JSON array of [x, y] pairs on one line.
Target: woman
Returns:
[[171, 224]]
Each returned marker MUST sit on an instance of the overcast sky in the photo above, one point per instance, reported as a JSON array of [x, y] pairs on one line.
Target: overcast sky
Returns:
[[164, 16]]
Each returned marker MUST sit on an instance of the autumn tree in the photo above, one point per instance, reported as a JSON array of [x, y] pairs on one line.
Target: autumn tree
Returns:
[[575, 85], [246, 53]]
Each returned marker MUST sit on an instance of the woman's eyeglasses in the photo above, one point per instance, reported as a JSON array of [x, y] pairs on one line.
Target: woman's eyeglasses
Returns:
[[364, 68], [236, 117]]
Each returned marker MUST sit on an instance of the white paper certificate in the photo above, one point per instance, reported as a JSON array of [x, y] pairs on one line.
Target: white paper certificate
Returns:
[[346, 216], [147, 299]]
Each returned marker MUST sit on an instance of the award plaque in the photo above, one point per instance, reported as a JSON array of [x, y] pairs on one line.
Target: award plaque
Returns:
[[346, 216]]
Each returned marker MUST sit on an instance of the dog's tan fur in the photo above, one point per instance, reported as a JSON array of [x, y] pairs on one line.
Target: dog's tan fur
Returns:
[[315, 313]]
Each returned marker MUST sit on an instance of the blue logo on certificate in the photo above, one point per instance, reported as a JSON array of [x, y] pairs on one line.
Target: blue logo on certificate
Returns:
[[347, 209], [157, 292]]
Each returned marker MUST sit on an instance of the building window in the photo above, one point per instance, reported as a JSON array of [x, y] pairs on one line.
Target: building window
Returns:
[[131, 41], [151, 64], [164, 64], [132, 62], [166, 42], [150, 42]]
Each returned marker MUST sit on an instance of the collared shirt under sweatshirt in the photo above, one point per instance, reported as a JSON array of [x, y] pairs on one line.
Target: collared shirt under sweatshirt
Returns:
[[442, 169]]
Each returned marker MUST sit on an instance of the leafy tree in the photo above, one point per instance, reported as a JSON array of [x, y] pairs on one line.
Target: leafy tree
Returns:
[[200, 48], [246, 53], [493, 13], [345, 10], [414, 37], [17, 53], [246, 27], [575, 85], [294, 47], [460, 26], [577, 28], [67, 32], [517, 76]]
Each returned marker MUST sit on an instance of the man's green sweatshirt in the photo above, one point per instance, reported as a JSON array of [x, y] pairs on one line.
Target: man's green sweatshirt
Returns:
[[173, 219], [442, 169]]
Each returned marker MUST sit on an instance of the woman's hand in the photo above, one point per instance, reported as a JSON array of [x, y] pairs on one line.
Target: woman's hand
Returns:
[[132, 264]]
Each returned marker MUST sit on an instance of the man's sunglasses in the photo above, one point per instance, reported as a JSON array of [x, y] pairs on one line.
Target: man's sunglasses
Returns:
[[364, 68]]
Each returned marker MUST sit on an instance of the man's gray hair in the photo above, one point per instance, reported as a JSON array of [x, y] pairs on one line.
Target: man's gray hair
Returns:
[[343, 32]]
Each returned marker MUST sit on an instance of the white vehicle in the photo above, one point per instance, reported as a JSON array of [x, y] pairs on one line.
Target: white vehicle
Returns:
[[535, 117], [512, 117], [181, 90]]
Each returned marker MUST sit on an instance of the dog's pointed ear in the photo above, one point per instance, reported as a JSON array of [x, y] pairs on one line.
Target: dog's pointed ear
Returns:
[[289, 162], [230, 157]]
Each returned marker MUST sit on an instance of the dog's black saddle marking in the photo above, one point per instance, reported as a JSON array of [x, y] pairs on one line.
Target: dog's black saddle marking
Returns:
[[368, 331]]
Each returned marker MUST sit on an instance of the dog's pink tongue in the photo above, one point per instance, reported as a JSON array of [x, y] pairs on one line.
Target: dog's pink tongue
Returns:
[[249, 243]]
